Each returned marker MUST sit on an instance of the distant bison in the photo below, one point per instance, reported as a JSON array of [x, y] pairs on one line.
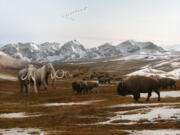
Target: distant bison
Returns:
[[84, 87], [92, 86], [138, 84], [118, 79], [104, 80], [85, 78], [167, 82]]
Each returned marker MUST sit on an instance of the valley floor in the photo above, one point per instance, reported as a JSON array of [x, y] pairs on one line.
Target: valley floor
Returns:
[[60, 111]]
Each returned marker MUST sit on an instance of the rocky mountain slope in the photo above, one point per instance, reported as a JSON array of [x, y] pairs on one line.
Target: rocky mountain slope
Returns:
[[75, 51]]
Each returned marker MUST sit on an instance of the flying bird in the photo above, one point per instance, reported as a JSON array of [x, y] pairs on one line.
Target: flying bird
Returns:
[[68, 15]]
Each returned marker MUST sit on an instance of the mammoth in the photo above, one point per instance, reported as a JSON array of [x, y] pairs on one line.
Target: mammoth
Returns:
[[24, 82], [138, 84], [40, 75]]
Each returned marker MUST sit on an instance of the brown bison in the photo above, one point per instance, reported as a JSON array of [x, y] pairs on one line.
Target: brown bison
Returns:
[[167, 82], [138, 84], [79, 86], [92, 86], [104, 80], [84, 87]]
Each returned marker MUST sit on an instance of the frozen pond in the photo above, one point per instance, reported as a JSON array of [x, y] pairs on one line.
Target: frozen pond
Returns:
[[156, 132], [17, 115], [73, 103], [8, 77], [149, 113]]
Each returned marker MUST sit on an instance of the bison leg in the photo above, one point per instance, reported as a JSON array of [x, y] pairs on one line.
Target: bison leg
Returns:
[[136, 97], [158, 93], [149, 95]]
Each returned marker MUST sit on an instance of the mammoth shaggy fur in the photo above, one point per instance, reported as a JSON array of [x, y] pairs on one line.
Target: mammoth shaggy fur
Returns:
[[138, 84]]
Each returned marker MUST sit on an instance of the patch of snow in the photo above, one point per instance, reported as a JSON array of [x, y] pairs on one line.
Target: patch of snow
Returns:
[[73, 103], [149, 114], [156, 132], [175, 74], [8, 77], [16, 115]]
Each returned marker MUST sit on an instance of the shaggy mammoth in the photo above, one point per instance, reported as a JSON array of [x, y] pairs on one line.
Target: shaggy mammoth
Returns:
[[138, 84], [24, 82], [40, 75]]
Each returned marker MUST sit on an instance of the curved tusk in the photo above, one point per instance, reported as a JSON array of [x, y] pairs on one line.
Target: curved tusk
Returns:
[[51, 76], [61, 76], [24, 77]]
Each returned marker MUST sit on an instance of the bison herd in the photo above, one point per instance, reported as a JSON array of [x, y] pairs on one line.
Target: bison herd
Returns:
[[133, 85]]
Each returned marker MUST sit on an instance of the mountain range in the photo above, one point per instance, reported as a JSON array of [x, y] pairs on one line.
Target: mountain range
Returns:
[[75, 51]]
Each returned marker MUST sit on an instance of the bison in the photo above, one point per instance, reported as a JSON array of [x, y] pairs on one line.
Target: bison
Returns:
[[104, 80], [79, 86], [167, 82], [84, 87], [138, 84], [92, 86]]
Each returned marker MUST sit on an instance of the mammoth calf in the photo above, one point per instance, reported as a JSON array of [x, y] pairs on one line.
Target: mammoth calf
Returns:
[[138, 84]]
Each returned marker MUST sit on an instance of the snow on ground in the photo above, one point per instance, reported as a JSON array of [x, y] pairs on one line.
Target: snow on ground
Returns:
[[148, 71], [73, 103], [21, 131], [156, 132], [16, 115], [163, 94], [8, 77], [147, 114]]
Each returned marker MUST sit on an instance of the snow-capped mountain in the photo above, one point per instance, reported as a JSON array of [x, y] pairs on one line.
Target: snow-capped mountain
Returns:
[[172, 47], [131, 46], [75, 51]]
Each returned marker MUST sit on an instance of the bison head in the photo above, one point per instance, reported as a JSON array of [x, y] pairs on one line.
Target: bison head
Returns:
[[121, 89]]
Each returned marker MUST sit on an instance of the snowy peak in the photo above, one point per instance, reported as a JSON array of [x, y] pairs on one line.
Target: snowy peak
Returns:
[[108, 50], [75, 51], [131, 46]]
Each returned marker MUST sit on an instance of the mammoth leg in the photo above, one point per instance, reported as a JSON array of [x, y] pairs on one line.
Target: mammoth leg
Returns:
[[45, 85], [21, 87], [149, 95], [35, 87], [158, 93]]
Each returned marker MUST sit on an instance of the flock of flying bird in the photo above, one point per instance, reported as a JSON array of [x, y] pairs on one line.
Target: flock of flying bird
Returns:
[[73, 12]]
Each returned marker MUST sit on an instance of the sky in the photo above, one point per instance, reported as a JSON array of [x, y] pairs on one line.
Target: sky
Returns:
[[96, 23]]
